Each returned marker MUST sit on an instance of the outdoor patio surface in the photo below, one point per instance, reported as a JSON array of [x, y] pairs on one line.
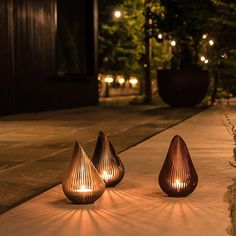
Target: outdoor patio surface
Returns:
[[35, 148], [137, 206]]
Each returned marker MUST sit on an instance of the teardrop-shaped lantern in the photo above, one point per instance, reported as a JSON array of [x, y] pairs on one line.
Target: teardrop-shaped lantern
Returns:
[[82, 183], [107, 161], [178, 177]]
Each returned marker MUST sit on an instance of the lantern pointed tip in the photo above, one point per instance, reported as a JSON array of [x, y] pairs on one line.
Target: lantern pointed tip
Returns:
[[76, 143], [101, 132], [78, 150], [177, 137]]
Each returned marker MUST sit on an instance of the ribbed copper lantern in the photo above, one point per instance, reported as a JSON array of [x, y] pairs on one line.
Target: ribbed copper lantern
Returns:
[[82, 183], [107, 161], [178, 177]]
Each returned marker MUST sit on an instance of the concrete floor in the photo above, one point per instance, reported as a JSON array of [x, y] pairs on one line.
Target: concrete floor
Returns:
[[137, 206]]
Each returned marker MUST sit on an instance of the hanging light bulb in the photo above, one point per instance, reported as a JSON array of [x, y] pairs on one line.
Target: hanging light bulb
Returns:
[[107, 161], [82, 183], [178, 177]]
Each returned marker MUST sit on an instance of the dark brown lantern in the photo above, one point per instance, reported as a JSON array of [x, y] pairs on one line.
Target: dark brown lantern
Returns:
[[107, 161], [178, 177]]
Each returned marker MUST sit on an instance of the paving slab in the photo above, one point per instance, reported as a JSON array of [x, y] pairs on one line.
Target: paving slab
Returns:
[[35, 148], [137, 206]]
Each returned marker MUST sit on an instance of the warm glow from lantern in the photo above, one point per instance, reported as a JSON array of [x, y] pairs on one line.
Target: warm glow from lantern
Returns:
[[206, 61], [107, 162], [82, 183], [105, 176], [204, 36], [83, 189], [178, 185]]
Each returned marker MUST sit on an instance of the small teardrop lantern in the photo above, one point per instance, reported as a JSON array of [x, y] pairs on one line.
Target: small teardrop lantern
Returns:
[[178, 177], [82, 183], [107, 161]]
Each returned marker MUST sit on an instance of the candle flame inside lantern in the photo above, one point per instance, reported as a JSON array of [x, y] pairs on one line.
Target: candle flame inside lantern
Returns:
[[178, 185], [83, 189], [106, 176]]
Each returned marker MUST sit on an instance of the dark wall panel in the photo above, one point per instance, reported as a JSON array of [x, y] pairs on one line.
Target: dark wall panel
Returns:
[[28, 79], [7, 79], [35, 29]]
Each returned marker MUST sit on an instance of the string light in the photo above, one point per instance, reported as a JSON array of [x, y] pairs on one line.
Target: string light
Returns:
[[203, 58], [211, 42], [173, 43], [160, 36], [117, 14]]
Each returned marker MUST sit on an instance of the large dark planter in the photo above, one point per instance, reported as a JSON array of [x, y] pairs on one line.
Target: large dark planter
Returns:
[[182, 88]]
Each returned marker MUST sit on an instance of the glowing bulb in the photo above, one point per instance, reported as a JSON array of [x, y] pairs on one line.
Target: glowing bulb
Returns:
[[160, 36], [203, 58], [133, 80], [224, 55], [211, 42], [204, 36], [173, 43], [121, 80], [108, 79], [117, 14], [206, 61]]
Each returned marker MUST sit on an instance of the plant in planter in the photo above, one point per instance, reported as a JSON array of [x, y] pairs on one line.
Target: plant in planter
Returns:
[[183, 22]]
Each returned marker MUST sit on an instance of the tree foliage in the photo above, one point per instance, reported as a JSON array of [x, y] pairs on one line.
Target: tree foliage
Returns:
[[121, 41], [185, 21], [222, 28]]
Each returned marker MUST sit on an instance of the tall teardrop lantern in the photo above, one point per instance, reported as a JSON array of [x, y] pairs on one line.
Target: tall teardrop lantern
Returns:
[[107, 162], [82, 183], [178, 177]]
